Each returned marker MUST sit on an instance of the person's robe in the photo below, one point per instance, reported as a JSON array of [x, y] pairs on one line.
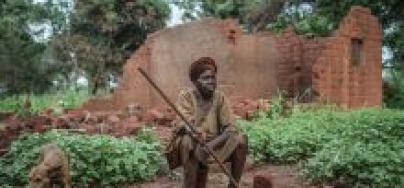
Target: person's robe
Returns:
[[214, 121]]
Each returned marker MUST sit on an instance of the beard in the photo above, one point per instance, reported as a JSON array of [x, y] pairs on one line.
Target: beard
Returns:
[[207, 90]]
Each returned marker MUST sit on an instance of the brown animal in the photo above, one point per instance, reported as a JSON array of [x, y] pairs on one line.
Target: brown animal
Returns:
[[52, 170]]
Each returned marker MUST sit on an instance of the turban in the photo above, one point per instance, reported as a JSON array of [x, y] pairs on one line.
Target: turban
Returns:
[[201, 65]]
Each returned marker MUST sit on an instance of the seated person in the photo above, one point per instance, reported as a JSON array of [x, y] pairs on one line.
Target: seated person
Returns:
[[209, 113]]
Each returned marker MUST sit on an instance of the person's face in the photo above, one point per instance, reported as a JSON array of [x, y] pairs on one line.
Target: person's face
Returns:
[[206, 83]]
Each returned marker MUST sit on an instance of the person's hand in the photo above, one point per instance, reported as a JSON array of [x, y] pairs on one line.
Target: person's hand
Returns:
[[179, 130], [201, 135]]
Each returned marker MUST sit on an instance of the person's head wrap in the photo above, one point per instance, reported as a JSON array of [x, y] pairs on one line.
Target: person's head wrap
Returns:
[[201, 65]]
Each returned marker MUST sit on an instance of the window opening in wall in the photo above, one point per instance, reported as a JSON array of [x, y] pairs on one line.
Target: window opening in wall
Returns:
[[356, 54]]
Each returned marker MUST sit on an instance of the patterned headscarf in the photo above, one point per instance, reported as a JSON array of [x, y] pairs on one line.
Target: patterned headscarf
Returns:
[[200, 65]]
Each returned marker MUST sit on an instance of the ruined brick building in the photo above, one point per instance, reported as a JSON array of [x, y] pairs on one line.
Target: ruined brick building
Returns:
[[344, 68]]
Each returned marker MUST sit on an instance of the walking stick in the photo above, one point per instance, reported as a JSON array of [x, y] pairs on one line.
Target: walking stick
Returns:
[[190, 129]]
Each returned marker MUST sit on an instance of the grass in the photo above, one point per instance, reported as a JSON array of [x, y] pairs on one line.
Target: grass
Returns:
[[56, 101]]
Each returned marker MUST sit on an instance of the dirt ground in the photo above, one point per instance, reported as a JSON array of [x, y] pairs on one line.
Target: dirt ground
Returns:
[[283, 177]]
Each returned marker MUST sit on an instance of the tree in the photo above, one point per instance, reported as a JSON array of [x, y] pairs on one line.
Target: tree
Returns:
[[253, 14], [22, 67], [103, 33]]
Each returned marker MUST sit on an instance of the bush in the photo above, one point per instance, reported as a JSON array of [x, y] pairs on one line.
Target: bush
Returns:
[[368, 152], [359, 147], [291, 139], [100, 159]]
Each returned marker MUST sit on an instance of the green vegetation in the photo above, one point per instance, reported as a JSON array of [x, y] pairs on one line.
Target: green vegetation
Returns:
[[52, 43], [360, 147], [56, 101], [393, 90], [99, 160]]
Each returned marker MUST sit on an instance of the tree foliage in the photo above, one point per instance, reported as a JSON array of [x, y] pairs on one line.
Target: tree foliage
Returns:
[[60, 40], [102, 35], [23, 69], [254, 14]]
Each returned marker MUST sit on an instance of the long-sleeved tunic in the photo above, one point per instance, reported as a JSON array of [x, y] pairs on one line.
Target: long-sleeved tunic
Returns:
[[213, 121]]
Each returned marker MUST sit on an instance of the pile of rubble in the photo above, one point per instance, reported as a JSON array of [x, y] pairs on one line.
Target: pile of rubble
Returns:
[[246, 108], [117, 123]]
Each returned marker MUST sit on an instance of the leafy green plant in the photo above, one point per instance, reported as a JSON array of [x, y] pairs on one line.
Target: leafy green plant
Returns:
[[276, 108], [359, 147], [98, 160]]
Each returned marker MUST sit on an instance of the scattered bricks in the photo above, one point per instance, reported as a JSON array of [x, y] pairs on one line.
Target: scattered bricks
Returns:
[[26, 125], [131, 120], [247, 102], [13, 127], [2, 128], [112, 119], [59, 122], [63, 122], [170, 115], [41, 128], [46, 112], [247, 108], [46, 120], [132, 110], [3, 151], [132, 129], [103, 128], [152, 115], [263, 181], [5, 115], [250, 114], [101, 116], [69, 110], [162, 116], [90, 118], [90, 128]]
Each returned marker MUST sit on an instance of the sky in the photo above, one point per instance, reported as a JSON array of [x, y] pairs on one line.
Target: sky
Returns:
[[176, 14]]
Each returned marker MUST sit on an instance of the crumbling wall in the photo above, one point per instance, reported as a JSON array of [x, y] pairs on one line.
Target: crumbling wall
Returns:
[[337, 77], [255, 66], [246, 63]]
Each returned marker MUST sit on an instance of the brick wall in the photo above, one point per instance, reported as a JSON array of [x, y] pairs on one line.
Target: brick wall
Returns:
[[255, 66], [336, 77]]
